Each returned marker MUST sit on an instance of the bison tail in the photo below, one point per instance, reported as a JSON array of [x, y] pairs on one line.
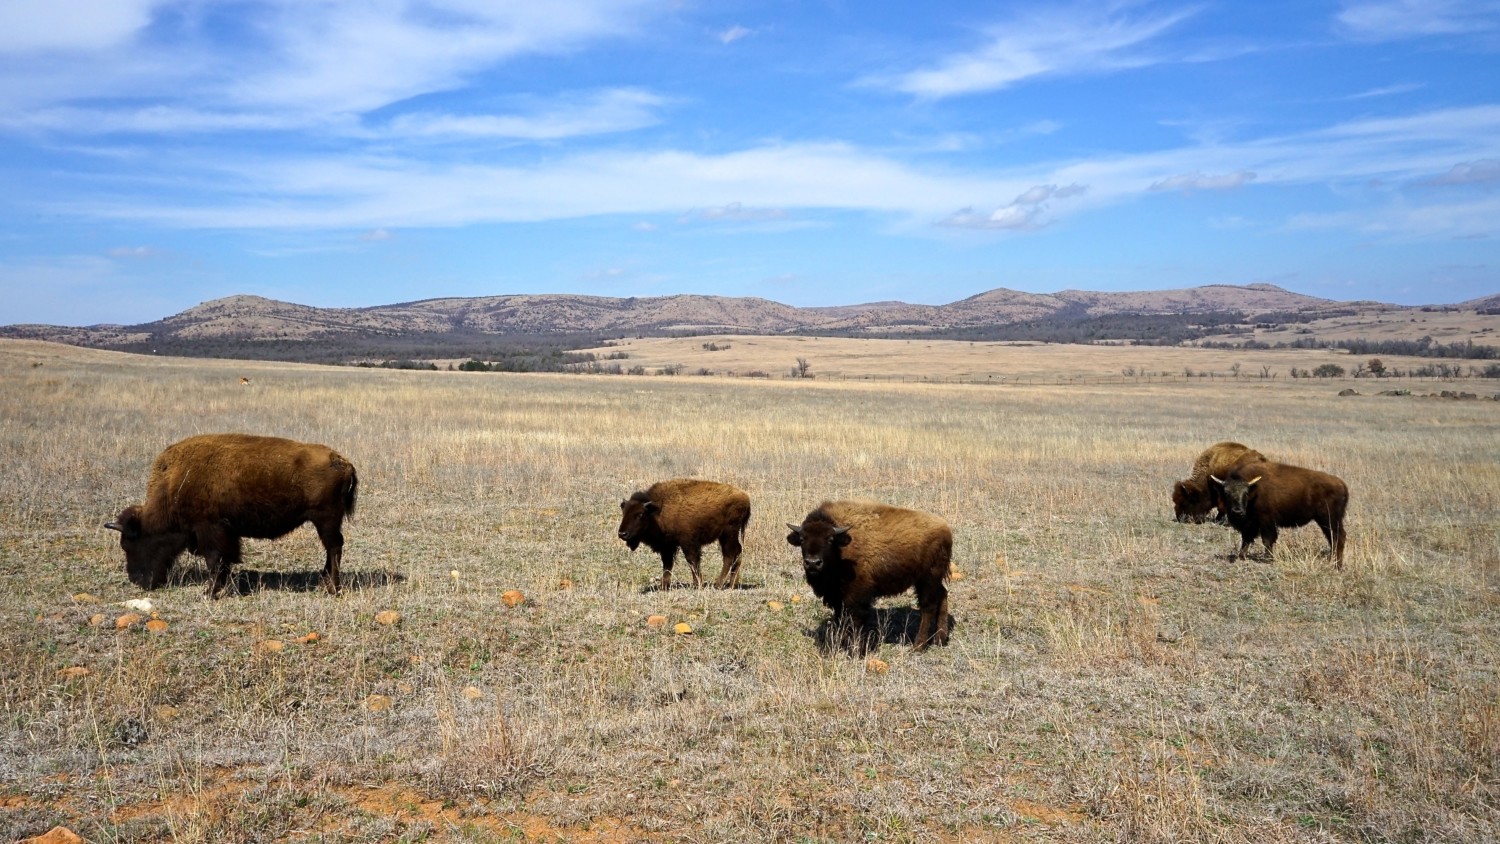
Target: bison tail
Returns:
[[744, 524], [351, 492]]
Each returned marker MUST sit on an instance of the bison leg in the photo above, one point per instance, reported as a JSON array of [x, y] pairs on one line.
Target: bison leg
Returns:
[[1268, 535], [729, 547], [221, 553], [932, 599], [1333, 531], [667, 554], [332, 537], [694, 555]]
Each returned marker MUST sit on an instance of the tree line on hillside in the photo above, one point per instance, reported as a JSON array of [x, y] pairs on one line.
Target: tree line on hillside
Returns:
[[1424, 347]]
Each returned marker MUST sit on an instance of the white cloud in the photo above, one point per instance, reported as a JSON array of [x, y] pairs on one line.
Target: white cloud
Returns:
[[1482, 172], [376, 236], [734, 33], [1044, 43], [1393, 20], [1022, 214], [736, 213], [597, 113], [1189, 182], [134, 252], [70, 25]]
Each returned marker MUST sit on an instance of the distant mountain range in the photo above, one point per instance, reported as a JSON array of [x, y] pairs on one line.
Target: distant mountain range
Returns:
[[246, 321]]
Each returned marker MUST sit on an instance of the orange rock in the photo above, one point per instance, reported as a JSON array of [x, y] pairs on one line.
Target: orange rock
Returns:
[[472, 693], [73, 672], [387, 617], [271, 646], [378, 703], [55, 835], [565, 584], [85, 598], [308, 639], [165, 712], [682, 628], [156, 625], [404, 687], [876, 666], [656, 622], [796, 599], [955, 574], [97, 619], [127, 620], [774, 606], [512, 597]]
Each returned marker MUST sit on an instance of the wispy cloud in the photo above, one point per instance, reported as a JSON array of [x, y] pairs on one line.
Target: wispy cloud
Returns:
[[1189, 182], [1024, 213], [734, 33], [1073, 41], [1485, 171], [136, 253], [597, 113], [1393, 20], [735, 212]]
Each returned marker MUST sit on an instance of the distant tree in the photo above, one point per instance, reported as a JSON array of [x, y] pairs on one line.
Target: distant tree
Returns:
[[802, 368], [1329, 370], [1376, 367]]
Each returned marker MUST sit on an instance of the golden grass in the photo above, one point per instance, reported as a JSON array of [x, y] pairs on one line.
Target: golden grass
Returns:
[[1112, 676]]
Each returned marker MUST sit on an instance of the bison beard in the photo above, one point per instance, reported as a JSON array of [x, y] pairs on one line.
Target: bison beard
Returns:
[[209, 492]]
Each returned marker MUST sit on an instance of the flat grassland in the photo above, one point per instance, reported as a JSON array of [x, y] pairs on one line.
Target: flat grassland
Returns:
[[1113, 675]]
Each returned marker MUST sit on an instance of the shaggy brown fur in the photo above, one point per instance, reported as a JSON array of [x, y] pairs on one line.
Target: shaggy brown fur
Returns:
[[856, 551], [1193, 498], [688, 514], [1260, 497], [208, 492]]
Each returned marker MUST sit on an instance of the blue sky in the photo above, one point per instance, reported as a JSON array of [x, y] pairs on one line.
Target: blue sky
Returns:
[[154, 155]]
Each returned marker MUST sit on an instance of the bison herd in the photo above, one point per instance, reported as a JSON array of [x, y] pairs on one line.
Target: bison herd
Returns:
[[207, 493]]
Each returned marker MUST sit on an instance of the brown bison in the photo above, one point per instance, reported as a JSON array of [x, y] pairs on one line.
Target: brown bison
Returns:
[[208, 492], [856, 551], [1193, 498], [688, 514], [1260, 497]]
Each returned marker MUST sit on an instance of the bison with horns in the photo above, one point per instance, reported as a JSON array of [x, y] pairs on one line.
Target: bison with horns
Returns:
[[856, 551], [208, 492], [1260, 497], [687, 513]]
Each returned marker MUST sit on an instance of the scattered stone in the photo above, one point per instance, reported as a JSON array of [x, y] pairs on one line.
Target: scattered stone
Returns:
[[512, 597], [1348, 391], [682, 628], [774, 606], [165, 712], [796, 599], [55, 835], [308, 639], [85, 598], [876, 666], [565, 584], [129, 619], [387, 617], [378, 703], [138, 604], [472, 693], [97, 619], [954, 574], [156, 625], [73, 672], [271, 646], [656, 622]]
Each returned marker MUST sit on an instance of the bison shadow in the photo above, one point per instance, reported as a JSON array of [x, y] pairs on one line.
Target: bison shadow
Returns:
[[893, 626], [655, 586], [247, 581]]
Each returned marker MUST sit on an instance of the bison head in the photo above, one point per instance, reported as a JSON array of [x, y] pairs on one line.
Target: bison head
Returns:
[[1191, 501], [821, 543], [638, 519], [148, 557], [1237, 493]]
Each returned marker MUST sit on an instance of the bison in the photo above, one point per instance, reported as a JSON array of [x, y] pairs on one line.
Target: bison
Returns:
[[1193, 498], [856, 551], [1262, 496], [206, 493], [688, 514]]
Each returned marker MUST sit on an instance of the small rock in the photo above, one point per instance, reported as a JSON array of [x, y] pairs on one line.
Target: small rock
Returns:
[[876, 666], [1348, 391], [472, 693], [512, 597], [127, 620], [165, 712], [271, 646], [97, 619], [378, 703], [565, 584], [138, 604], [955, 575], [682, 628], [156, 625], [85, 598], [55, 835], [73, 672], [774, 606], [387, 617], [656, 622], [308, 639]]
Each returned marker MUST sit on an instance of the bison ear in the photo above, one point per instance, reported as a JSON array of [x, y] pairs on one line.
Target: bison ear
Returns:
[[1253, 480], [652, 507], [795, 537], [841, 536], [624, 504]]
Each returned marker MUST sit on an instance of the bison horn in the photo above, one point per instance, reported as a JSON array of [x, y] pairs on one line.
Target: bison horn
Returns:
[[114, 526], [840, 531], [1215, 480], [797, 529], [1252, 481]]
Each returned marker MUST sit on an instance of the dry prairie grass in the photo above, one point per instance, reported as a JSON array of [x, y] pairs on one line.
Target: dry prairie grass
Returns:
[[1113, 675]]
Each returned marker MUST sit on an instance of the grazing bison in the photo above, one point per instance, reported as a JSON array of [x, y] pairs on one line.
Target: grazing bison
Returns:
[[688, 514], [1262, 496], [208, 492], [1193, 498], [856, 551]]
